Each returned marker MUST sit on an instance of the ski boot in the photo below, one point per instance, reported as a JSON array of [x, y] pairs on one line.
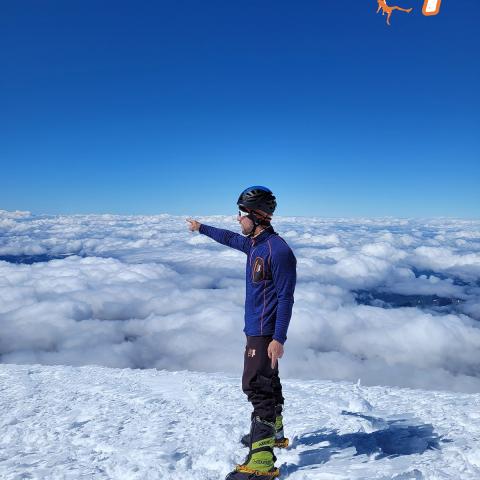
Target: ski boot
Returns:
[[280, 440], [260, 461]]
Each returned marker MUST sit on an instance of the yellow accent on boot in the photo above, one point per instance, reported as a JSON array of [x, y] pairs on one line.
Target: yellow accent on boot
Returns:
[[278, 422], [264, 442], [260, 461], [280, 440]]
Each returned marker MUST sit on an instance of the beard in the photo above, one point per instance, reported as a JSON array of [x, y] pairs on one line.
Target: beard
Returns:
[[246, 230]]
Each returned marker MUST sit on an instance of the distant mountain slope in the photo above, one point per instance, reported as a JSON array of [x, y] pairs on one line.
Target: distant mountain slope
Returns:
[[94, 422]]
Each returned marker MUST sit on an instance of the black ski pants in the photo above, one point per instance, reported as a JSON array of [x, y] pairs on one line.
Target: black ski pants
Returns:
[[260, 382]]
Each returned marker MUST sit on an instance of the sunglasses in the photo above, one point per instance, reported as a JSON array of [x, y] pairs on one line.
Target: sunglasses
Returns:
[[242, 214]]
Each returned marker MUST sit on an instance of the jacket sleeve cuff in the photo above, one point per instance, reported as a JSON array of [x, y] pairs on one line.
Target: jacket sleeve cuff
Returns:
[[279, 339]]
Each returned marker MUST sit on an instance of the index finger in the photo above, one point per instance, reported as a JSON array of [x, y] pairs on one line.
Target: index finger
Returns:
[[274, 361]]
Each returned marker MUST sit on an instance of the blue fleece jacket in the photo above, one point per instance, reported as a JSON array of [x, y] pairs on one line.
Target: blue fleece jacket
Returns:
[[270, 280]]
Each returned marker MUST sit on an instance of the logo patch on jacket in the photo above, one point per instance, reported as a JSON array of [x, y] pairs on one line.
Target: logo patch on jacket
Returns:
[[258, 273]]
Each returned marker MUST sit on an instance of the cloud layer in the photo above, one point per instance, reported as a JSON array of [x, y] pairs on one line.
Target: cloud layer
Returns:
[[144, 292]]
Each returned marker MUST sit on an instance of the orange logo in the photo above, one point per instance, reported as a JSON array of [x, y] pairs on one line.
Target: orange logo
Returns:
[[430, 7], [382, 5]]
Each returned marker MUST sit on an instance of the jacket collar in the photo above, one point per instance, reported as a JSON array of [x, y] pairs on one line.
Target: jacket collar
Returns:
[[261, 237]]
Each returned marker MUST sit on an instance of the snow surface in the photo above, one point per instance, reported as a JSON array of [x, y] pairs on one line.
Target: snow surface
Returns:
[[61, 422]]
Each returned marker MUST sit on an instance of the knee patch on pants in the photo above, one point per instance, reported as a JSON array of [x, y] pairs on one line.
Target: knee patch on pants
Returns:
[[262, 384]]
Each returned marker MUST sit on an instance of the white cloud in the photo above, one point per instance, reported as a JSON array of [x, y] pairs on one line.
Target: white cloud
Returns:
[[144, 292]]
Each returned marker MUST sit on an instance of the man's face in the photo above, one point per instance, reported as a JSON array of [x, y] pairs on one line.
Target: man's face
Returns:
[[245, 223]]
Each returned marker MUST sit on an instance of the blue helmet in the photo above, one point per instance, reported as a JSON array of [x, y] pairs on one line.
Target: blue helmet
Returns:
[[257, 198]]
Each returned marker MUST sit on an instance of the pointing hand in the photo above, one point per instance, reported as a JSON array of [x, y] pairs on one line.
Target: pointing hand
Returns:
[[194, 225]]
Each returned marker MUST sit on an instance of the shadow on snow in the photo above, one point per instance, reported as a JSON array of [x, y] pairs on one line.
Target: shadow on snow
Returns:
[[396, 438]]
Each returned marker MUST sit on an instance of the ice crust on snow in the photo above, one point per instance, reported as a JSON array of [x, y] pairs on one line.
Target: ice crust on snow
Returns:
[[143, 292], [61, 422]]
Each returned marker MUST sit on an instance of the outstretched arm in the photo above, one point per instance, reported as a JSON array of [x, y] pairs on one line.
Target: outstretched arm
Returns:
[[225, 237]]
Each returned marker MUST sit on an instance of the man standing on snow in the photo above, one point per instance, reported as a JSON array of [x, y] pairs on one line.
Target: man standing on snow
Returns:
[[270, 284]]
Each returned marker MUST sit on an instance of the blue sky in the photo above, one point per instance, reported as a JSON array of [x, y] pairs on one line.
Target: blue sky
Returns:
[[176, 106]]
